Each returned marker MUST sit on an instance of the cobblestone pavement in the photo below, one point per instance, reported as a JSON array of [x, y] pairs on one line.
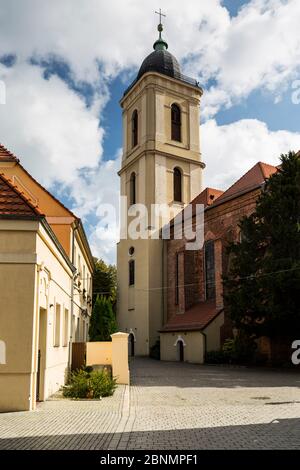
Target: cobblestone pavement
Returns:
[[169, 406]]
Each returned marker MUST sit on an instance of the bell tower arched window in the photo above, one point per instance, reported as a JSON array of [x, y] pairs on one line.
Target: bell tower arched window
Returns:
[[131, 272], [177, 185], [175, 123], [134, 127], [132, 189]]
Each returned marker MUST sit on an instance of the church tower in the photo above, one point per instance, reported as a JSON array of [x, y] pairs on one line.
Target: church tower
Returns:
[[161, 164]]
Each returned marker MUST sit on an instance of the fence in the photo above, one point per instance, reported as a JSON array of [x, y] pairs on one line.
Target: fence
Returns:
[[114, 353]]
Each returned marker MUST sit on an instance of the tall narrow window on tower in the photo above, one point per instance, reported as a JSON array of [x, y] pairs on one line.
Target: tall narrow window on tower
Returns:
[[176, 123], [131, 266], [210, 283], [177, 279], [132, 189], [177, 185], [134, 126]]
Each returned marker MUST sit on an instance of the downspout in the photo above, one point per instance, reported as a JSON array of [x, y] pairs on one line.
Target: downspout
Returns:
[[35, 346], [163, 282], [205, 345], [72, 295]]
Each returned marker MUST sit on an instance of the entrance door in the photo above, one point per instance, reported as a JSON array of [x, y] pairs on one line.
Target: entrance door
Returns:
[[131, 344], [41, 359], [181, 351], [38, 376]]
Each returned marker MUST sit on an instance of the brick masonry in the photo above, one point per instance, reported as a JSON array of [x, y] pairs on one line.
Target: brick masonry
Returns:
[[221, 226]]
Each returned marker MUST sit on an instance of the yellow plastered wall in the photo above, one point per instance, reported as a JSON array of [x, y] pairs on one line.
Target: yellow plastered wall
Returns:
[[213, 333], [193, 346], [98, 352], [114, 353]]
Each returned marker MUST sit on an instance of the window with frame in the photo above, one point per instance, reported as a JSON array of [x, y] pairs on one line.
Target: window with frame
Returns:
[[66, 327], [175, 123], [57, 325], [77, 334], [132, 189], [209, 260], [134, 126], [177, 185], [131, 268], [177, 279]]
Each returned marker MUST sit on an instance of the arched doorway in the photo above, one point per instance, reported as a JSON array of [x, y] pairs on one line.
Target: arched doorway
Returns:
[[180, 347], [131, 341]]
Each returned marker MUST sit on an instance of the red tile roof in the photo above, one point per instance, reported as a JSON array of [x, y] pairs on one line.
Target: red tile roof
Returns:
[[6, 155], [196, 318], [13, 202], [253, 178], [207, 196]]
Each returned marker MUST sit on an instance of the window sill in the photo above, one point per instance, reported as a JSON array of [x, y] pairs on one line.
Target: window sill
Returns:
[[176, 203]]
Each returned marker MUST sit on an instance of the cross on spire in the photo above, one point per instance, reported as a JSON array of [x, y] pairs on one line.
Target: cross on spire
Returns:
[[160, 15], [160, 44]]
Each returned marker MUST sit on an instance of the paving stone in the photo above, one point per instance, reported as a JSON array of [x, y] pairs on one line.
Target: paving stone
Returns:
[[169, 406]]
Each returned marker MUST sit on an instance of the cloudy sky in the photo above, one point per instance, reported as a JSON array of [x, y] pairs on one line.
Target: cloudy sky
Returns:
[[66, 63]]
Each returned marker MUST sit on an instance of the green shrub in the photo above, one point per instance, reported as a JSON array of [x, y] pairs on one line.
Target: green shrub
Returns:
[[89, 384], [216, 357], [102, 385], [238, 350], [78, 386]]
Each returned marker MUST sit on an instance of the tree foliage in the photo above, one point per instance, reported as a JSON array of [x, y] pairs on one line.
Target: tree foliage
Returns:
[[103, 320], [105, 281], [262, 288]]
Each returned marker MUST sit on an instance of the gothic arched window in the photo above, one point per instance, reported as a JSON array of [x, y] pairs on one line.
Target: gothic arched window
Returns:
[[209, 263], [177, 185], [175, 123], [134, 127], [132, 189], [131, 272]]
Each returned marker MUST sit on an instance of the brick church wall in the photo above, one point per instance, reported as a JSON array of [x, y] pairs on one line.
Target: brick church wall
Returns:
[[221, 225]]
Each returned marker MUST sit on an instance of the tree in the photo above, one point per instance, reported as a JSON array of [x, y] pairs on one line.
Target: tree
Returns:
[[104, 281], [262, 288], [103, 320]]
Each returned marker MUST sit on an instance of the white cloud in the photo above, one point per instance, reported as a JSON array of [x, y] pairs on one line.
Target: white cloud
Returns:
[[48, 125], [260, 47], [60, 139], [231, 150]]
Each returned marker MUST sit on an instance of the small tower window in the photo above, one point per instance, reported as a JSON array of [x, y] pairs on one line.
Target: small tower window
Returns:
[[132, 189], [134, 125], [176, 123], [177, 185], [131, 266]]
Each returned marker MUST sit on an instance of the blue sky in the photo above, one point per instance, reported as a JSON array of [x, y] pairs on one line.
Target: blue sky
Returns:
[[62, 113]]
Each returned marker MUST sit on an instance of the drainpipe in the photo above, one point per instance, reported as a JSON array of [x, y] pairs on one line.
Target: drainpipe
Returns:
[[163, 282], [72, 294], [205, 342]]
